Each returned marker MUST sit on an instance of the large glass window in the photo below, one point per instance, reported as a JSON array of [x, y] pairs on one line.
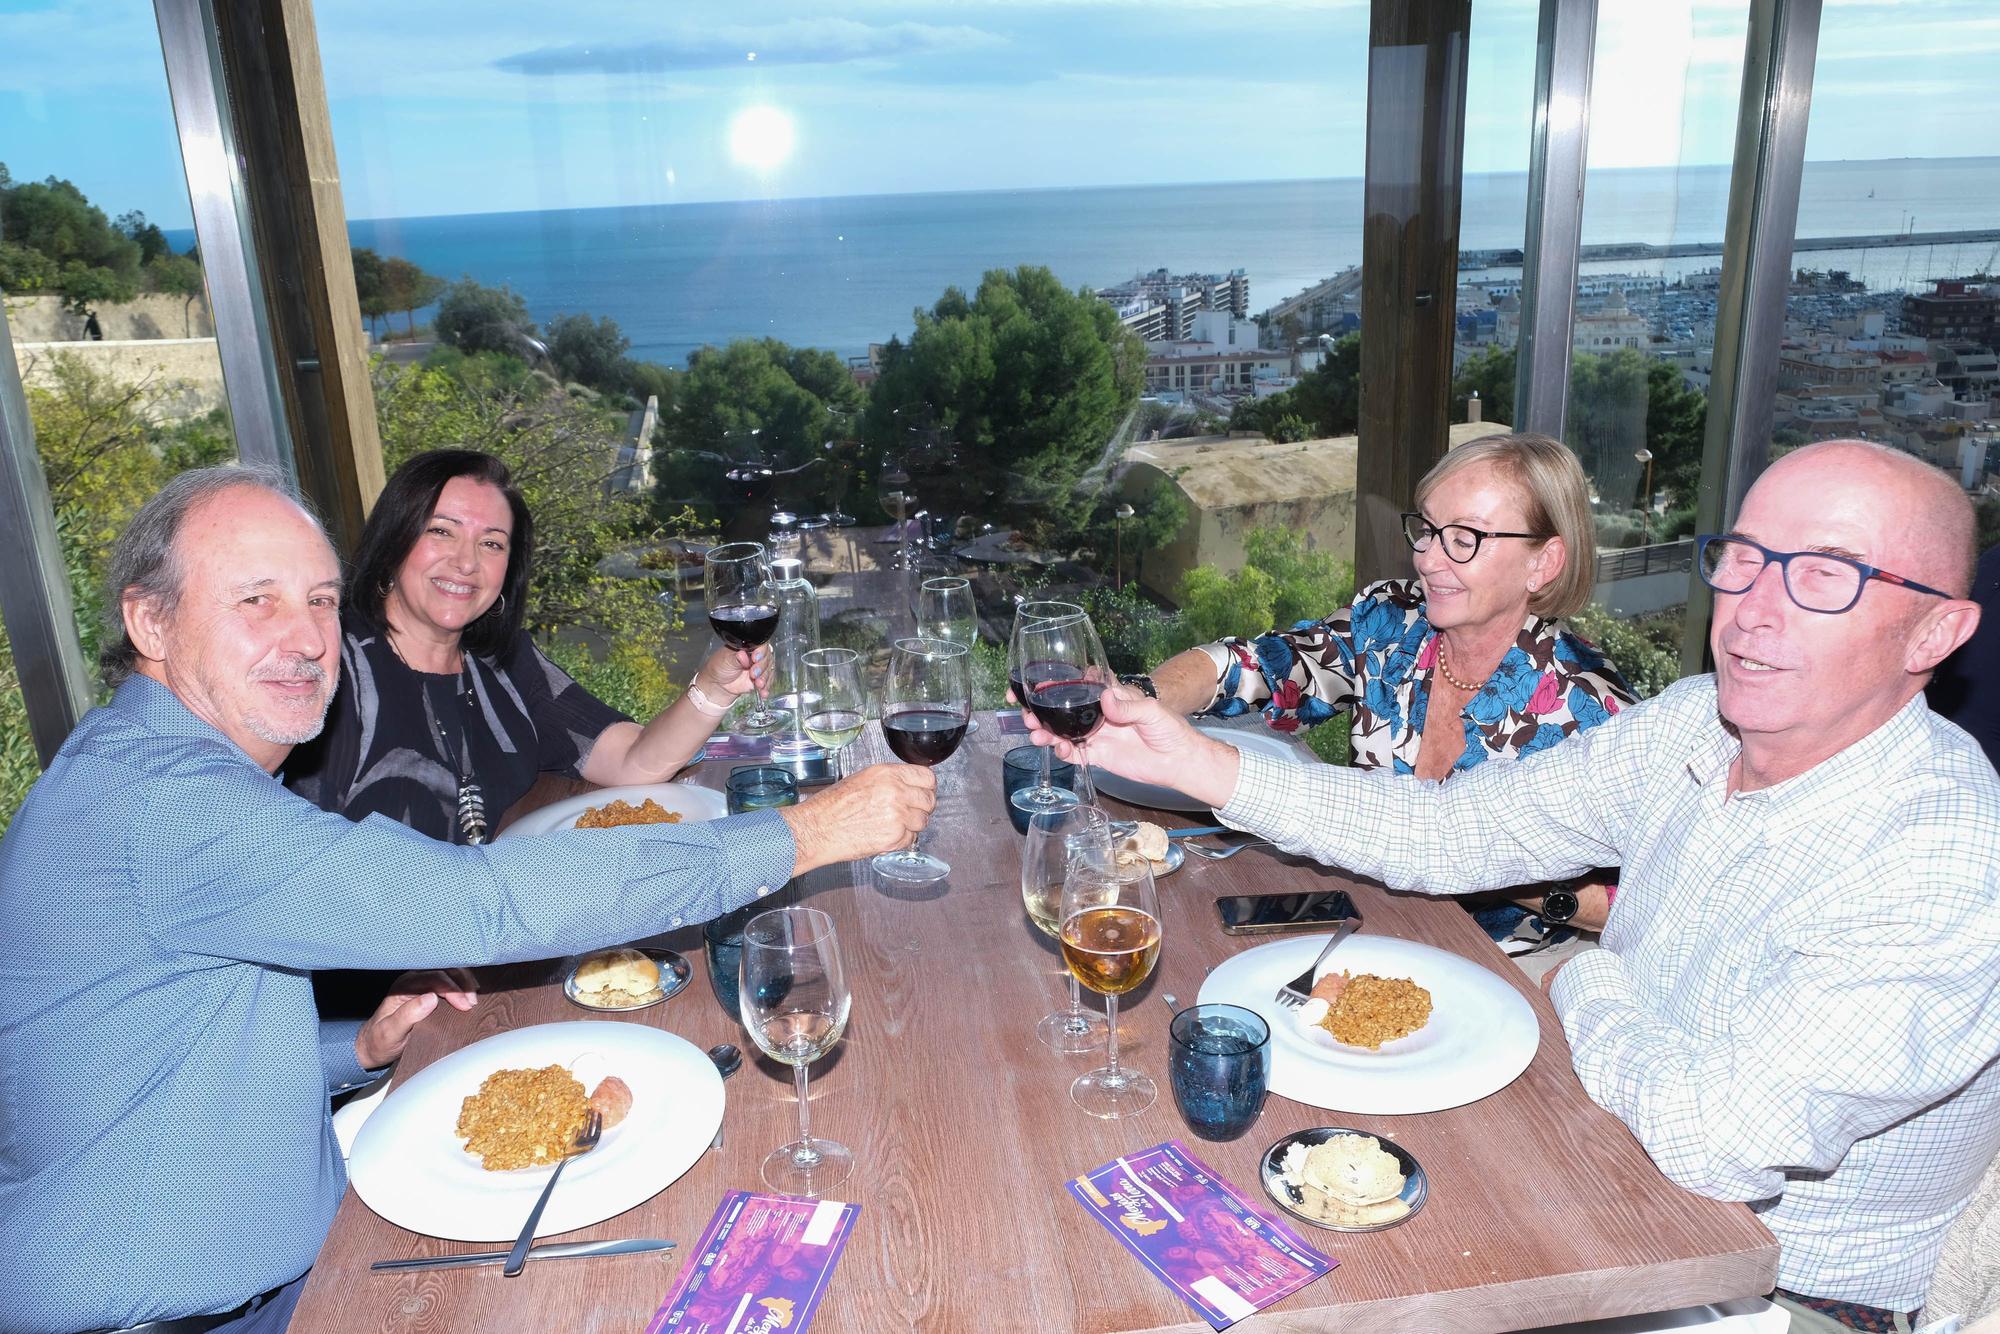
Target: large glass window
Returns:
[[104, 296], [924, 288], [1893, 318]]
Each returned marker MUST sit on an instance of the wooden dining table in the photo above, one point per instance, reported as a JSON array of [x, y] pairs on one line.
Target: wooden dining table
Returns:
[[1542, 1207]]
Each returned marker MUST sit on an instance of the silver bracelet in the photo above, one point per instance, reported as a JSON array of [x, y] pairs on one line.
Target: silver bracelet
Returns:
[[703, 705]]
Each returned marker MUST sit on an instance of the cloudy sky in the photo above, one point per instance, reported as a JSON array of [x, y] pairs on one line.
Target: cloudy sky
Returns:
[[442, 106]]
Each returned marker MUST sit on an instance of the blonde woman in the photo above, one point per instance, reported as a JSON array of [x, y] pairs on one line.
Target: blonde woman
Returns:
[[1503, 545]]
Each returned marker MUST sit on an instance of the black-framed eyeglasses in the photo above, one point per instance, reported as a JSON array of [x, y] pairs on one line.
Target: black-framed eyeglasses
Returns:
[[1461, 543], [1815, 580]]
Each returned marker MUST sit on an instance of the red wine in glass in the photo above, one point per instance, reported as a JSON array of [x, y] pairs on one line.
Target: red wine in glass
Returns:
[[746, 625], [1022, 679], [1071, 709], [924, 736]]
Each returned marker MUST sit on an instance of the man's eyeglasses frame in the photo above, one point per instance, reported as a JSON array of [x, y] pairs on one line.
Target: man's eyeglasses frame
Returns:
[[1783, 560]]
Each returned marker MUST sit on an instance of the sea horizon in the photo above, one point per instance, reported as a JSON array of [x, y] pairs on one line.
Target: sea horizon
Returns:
[[841, 272]]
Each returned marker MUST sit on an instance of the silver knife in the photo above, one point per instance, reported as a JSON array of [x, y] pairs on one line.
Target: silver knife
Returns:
[[561, 1250], [1203, 832]]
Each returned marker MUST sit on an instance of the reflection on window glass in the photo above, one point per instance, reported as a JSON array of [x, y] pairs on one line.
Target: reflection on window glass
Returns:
[[104, 296], [1893, 318], [927, 288], [1664, 92]]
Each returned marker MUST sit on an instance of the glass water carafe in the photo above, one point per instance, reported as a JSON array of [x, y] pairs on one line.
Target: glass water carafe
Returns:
[[797, 635]]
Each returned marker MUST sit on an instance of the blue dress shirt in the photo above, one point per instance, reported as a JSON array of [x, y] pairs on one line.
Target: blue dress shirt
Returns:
[[165, 1146]]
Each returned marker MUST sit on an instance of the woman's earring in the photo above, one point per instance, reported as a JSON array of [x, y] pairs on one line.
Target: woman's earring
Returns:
[[383, 588], [501, 605]]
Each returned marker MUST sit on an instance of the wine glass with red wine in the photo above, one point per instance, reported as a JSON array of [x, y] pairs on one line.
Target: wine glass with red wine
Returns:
[[926, 705], [743, 609], [1044, 798], [1065, 674]]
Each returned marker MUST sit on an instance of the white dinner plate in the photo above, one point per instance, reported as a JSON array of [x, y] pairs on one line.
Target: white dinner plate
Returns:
[[1258, 740], [410, 1166], [1481, 1035], [692, 801]]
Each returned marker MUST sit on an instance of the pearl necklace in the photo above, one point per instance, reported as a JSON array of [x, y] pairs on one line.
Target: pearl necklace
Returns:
[[1444, 665]]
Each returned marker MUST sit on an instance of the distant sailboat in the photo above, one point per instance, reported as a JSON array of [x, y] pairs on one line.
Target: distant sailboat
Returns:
[[1871, 194]]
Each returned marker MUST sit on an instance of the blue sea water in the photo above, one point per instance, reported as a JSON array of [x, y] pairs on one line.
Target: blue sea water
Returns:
[[846, 272]]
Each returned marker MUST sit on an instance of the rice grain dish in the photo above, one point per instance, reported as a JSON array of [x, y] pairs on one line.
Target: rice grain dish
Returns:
[[622, 812], [523, 1118], [1372, 1010]]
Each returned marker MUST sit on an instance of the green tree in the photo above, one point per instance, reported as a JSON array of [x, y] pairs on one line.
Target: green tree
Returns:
[[25, 270], [792, 398], [1489, 373], [473, 318], [1029, 383], [177, 275], [370, 290], [152, 242], [93, 260], [1157, 516], [408, 288], [1622, 401], [589, 351], [1325, 402]]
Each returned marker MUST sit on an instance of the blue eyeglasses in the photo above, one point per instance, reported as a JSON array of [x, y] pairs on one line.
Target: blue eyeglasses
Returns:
[[1816, 580]]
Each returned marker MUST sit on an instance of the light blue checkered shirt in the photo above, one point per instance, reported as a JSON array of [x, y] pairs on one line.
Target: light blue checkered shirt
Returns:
[[165, 1148], [1797, 1002]]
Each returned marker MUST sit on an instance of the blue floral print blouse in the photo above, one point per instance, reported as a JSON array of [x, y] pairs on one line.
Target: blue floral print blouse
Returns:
[[1376, 658]]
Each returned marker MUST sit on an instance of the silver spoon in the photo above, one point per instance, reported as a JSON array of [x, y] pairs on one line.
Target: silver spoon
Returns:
[[728, 1058]]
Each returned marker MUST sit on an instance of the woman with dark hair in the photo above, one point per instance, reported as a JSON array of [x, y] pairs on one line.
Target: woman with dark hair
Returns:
[[447, 712]]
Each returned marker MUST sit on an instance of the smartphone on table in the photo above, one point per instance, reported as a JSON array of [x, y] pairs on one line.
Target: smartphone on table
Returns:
[[1254, 914]]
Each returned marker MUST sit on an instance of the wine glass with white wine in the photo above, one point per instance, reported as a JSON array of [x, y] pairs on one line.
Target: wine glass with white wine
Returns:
[[1055, 838], [833, 678], [793, 999]]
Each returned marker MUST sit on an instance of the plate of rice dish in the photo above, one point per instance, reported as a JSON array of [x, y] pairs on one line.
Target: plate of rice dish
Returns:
[[462, 1148], [1394, 1027], [621, 807]]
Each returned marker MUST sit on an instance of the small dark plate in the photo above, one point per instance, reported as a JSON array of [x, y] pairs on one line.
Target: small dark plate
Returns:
[[674, 974], [1416, 1185]]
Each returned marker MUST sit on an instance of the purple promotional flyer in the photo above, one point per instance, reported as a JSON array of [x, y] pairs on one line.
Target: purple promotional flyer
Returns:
[[1197, 1234], [761, 1266]]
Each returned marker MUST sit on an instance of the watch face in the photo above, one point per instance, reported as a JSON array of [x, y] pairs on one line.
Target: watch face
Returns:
[[1558, 906]]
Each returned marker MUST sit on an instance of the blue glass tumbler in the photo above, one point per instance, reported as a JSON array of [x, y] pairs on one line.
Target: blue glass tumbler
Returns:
[[722, 943], [1022, 768], [1219, 1062], [761, 788]]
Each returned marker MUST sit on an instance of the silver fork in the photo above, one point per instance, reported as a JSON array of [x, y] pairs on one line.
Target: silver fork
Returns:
[[1223, 854], [586, 1140], [1298, 991]]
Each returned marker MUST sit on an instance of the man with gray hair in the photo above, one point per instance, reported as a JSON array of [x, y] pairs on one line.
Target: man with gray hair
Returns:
[[167, 1162], [1797, 1002]]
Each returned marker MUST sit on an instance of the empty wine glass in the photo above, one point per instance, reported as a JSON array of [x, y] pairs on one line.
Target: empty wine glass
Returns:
[[944, 609], [1045, 796], [1110, 940], [743, 609], [926, 704], [793, 999], [833, 680], [1065, 674], [1053, 838]]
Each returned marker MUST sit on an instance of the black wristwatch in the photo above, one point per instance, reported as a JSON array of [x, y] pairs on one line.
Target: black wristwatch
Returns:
[[1144, 682], [1559, 904]]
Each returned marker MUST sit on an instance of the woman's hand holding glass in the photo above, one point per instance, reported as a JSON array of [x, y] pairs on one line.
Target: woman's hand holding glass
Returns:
[[793, 999]]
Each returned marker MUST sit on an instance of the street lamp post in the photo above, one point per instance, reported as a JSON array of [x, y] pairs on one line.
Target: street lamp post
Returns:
[[1645, 456], [1121, 514]]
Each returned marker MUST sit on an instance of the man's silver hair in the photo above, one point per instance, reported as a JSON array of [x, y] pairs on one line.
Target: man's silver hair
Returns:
[[146, 562]]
